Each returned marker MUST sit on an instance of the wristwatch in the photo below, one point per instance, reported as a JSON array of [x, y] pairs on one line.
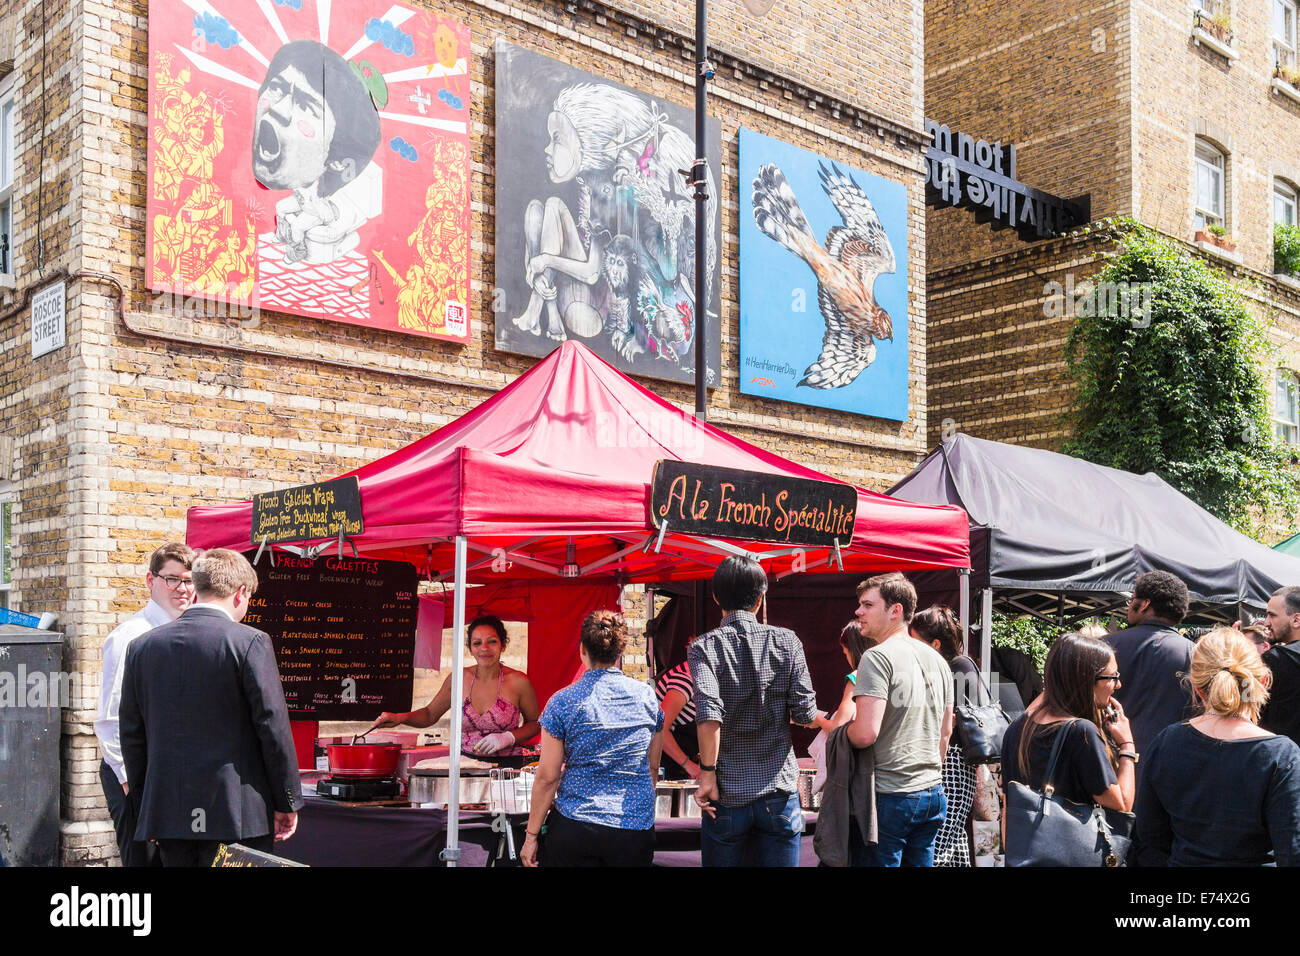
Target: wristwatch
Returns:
[[1131, 754], [709, 768]]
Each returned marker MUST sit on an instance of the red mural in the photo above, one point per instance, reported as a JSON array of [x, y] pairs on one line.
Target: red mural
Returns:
[[311, 157]]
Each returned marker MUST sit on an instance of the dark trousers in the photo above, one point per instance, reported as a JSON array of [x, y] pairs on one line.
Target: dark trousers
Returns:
[[132, 851], [574, 843], [203, 852]]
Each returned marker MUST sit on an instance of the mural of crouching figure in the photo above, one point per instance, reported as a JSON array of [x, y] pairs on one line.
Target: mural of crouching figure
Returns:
[[624, 263], [314, 133]]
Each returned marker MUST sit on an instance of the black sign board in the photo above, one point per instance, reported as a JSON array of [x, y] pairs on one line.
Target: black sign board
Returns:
[[343, 630], [751, 505], [232, 855], [308, 512], [981, 176]]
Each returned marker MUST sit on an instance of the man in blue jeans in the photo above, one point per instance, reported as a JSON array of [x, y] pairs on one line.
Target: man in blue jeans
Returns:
[[904, 698], [751, 681]]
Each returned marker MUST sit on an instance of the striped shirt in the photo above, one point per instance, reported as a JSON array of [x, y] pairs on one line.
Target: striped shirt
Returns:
[[679, 679]]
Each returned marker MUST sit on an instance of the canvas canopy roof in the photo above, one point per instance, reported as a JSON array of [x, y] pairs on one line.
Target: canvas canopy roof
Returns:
[[555, 469], [1064, 537]]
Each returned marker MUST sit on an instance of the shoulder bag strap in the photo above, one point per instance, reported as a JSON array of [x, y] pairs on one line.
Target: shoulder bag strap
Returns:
[[1048, 785]]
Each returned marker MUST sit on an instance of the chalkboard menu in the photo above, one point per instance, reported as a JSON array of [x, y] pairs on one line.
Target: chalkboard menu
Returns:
[[343, 631], [751, 505], [308, 512]]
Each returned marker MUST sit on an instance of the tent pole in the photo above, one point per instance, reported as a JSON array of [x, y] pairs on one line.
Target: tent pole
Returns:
[[452, 854], [963, 586], [986, 633]]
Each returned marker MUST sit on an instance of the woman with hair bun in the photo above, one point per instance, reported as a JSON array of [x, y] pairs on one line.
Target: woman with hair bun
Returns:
[[1217, 789], [938, 627], [601, 737]]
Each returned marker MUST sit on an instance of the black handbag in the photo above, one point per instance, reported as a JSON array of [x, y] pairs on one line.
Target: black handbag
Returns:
[[980, 729], [1043, 829]]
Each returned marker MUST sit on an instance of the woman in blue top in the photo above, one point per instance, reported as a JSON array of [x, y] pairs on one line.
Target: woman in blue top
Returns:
[[600, 758]]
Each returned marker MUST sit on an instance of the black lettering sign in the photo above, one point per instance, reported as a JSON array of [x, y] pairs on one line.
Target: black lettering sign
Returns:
[[231, 856], [343, 630], [981, 176], [308, 512], [751, 505]]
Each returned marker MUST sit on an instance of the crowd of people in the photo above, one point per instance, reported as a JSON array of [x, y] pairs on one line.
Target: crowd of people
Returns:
[[1188, 748]]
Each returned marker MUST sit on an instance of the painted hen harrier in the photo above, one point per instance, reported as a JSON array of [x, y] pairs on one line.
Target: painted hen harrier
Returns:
[[846, 269]]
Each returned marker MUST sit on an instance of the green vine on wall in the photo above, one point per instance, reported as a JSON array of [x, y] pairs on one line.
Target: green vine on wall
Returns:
[[1180, 389]]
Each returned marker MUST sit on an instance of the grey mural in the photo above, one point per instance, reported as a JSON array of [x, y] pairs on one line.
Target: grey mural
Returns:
[[595, 225]]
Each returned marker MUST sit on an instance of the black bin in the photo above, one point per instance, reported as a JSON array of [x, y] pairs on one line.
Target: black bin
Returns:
[[33, 689]]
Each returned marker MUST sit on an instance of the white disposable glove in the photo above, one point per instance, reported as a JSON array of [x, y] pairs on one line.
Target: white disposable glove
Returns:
[[495, 743]]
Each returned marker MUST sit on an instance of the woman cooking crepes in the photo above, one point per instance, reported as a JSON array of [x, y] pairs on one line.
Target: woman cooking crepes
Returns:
[[500, 708]]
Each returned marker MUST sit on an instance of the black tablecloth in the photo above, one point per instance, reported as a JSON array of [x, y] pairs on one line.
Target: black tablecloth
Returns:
[[331, 834]]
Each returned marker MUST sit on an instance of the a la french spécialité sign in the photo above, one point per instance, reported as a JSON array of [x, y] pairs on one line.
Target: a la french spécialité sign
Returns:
[[751, 505], [308, 512], [981, 176]]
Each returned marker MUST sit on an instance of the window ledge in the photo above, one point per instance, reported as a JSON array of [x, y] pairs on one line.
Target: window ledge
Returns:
[[1286, 89], [1288, 280], [1203, 37], [1220, 253], [6, 280]]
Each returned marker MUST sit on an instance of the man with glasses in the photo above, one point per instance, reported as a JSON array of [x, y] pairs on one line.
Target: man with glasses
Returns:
[[205, 732], [171, 588]]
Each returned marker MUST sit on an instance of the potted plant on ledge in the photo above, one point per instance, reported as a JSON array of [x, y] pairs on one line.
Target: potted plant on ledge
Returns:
[[1218, 25], [1286, 250], [1216, 235]]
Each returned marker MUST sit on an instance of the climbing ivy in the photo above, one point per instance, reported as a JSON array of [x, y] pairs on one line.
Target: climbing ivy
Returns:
[[1180, 389]]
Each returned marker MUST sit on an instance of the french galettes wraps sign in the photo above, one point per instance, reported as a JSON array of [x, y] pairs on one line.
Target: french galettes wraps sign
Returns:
[[751, 505]]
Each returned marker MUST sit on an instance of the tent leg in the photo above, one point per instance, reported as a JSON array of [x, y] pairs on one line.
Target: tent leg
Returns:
[[963, 586], [452, 854], [986, 634]]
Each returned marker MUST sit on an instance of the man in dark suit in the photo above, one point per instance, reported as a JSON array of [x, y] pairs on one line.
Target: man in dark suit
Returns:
[[1281, 713], [204, 727], [1153, 657]]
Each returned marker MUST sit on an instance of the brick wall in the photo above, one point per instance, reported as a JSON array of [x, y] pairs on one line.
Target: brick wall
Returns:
[[1108, 100], [146, 413]]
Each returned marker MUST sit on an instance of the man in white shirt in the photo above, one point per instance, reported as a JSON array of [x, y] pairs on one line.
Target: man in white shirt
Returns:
[[171, 589]]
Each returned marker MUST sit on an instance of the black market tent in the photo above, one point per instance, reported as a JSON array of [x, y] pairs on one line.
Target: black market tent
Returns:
[[1063, 539]]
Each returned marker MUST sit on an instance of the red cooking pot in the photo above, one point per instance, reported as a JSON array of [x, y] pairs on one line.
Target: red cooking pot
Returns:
[[363, 760]]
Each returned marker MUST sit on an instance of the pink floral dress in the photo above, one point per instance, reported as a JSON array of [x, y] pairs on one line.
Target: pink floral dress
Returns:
[[502, 715]]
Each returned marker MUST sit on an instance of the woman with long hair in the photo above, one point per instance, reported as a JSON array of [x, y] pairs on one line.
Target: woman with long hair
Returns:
[[1218, 790], [854, 645], [1097, 758], [938, 627]]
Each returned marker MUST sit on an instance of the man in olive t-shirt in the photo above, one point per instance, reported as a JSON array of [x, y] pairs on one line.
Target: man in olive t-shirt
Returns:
[[904, 700]]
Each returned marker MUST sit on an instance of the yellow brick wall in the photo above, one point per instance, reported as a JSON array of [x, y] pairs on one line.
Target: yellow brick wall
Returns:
[[143, 415]]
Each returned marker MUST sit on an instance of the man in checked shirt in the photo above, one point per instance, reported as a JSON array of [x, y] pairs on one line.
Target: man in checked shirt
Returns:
[[751, 681]]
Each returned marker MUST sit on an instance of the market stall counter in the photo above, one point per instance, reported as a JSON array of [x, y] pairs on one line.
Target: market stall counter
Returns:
[[338, 834]]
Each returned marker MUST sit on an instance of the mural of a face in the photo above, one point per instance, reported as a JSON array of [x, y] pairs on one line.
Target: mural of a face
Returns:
[[291, 132], [444, 46], [564, 152]]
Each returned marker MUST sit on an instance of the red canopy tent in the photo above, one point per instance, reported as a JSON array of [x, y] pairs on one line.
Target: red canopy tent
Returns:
[[550, 480], [556, 467]]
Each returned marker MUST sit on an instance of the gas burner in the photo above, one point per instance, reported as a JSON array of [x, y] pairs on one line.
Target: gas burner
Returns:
[[358, 790]]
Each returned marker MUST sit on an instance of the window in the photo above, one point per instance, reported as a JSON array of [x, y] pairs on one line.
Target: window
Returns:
[[1284, 204], [1287, 416], [1284, 39], [6, 547], [1209, 7], [1210, 164], [6, 175]]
